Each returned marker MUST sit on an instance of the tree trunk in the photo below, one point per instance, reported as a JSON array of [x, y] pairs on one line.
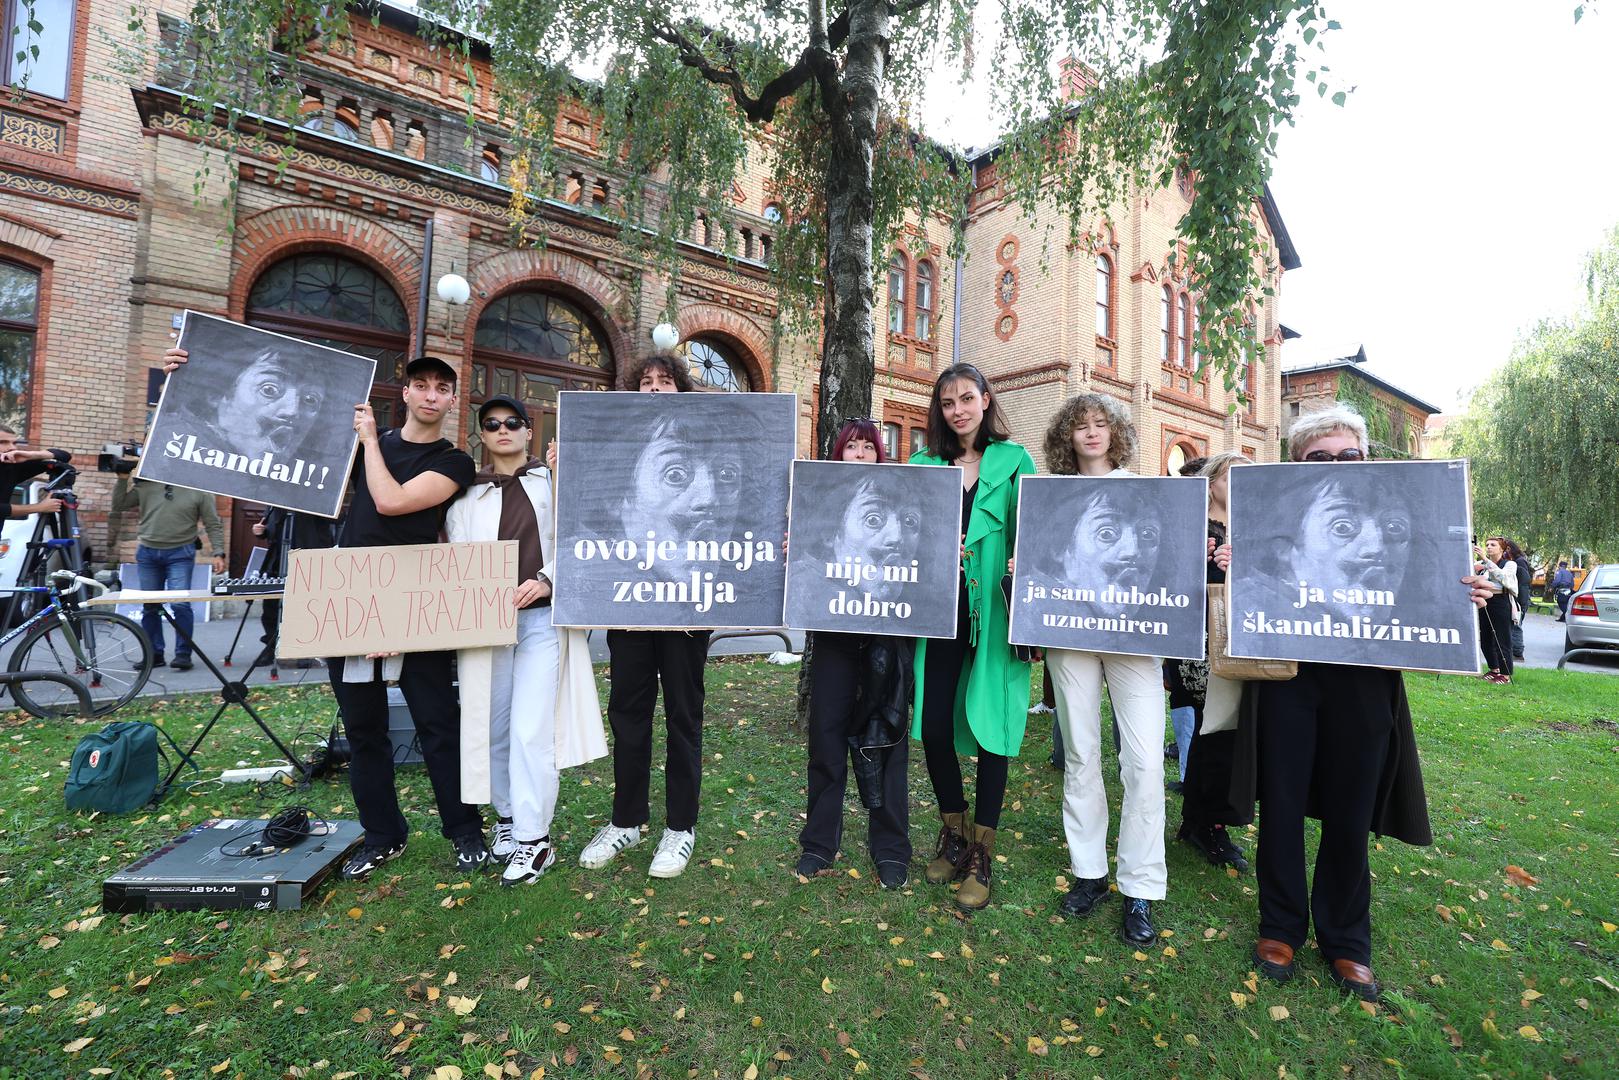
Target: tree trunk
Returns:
[[848, 363]]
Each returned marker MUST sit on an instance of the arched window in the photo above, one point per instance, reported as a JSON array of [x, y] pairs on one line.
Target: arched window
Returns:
[[531, 346], [714, 365], [1166, 327], [1185, 354], [19, 327], [772, 212], [896, 293], [1104, 297], [332, 300], [924, 301], [489, 164]]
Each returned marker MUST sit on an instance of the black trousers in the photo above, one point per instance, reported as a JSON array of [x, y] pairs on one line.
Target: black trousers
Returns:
[[833, 682], [1206, 791], [940, 673], [1323, 739], [639, 661], [427, 680], [1495, 633]]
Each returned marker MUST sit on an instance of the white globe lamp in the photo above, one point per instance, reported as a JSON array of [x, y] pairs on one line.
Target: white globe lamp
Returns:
[[453, 289], [665, 336]]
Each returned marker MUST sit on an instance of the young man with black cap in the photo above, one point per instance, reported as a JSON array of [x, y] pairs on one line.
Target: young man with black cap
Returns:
[[527, 710], [404, 478]]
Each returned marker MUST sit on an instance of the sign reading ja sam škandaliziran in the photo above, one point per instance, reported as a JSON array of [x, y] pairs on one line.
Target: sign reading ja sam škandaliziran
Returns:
[[258, 416], [876, 549], [671, 509], [1353, 563], [1111, 564]]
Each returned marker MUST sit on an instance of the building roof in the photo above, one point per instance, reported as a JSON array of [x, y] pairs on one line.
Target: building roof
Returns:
[[1356, 363]]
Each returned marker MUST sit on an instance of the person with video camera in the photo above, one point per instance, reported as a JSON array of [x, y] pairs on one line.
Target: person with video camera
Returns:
[[166, 550], [16, 466]]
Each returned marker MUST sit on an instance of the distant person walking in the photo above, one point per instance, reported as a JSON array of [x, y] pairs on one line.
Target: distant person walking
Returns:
[[1562, 588]]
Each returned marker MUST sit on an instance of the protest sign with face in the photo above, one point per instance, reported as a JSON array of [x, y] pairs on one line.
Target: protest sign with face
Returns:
[[671, 509], [258, 416], [1353, 563], [1111, 564], [405, 598], [876, 549]]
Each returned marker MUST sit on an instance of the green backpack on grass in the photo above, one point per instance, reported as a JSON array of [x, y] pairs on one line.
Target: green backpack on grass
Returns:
[[116, 769]]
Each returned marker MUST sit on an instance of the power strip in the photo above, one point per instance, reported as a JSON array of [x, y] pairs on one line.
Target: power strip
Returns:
[[244, 776]]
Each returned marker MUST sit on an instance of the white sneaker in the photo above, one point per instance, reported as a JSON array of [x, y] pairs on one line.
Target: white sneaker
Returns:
[[505, 843], [1041, 709], [674, 852], [608, 843], [529, 862]]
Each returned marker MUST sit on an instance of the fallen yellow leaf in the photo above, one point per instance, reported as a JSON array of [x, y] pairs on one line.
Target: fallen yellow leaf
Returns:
[[1489, 1028], [362, 1015], [78, 1044], [1038, 1047], [1279, 1012], [221, 1067], [521, 984], [751, 1072], [826, 985], [1497, 943], [562, 1027], [1528, 1032], [1609, 927], [463, 1006], [355, 912], [58, 992], [447, 1072]]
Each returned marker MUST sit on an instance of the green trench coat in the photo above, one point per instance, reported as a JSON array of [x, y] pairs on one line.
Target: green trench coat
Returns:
[[992, 696]]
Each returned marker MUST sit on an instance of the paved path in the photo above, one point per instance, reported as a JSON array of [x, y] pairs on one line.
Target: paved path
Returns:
[[1543, 645]]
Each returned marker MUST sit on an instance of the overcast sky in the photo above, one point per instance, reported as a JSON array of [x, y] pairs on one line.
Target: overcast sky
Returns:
[[1449, 205]]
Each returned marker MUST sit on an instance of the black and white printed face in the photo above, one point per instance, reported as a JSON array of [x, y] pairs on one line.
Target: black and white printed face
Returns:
[[1348, 544], [681, 492], [881, 534], [266, 409], [1116, 543]]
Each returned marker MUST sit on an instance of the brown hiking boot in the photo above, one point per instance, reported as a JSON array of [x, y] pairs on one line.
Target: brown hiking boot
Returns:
[[975, 892], [946, 864]]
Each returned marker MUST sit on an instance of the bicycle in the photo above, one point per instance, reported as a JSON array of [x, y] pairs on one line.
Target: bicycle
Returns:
[[108, 654], [55, 544]]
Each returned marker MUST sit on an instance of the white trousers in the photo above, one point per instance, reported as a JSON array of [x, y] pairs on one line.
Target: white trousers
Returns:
[[522, 726], [1136, 686]]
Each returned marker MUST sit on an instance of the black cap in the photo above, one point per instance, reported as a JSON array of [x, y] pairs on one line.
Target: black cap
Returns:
[[510, 402], [430, 365]]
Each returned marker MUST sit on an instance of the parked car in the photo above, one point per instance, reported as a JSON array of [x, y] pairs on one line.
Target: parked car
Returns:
[[1593, 611]]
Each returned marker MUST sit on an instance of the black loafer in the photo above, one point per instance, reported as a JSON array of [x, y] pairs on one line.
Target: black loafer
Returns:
[[893, 875], [1136, 928], [1083, 896], [809, 864]]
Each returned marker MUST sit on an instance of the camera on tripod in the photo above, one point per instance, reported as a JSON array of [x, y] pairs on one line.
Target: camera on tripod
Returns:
[[118, 457]]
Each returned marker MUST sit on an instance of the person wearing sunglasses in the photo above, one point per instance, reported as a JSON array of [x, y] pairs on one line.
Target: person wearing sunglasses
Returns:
[[1335, 743], [529, 709]]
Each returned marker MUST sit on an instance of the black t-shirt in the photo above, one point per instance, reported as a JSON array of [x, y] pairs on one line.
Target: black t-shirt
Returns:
[[364, 527]]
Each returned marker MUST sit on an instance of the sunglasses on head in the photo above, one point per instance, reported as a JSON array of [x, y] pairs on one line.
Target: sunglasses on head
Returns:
[[858, 420], [511, 423], [1351, 454]]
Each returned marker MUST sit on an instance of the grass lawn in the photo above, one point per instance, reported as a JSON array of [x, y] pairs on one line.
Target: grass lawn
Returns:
[[737, 969]]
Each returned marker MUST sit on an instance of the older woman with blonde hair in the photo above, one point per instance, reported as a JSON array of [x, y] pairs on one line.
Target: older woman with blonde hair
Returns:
[[1336, 743], [1093, 435]]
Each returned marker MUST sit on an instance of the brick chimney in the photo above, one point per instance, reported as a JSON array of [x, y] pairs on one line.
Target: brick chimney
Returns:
[[1074, 78]]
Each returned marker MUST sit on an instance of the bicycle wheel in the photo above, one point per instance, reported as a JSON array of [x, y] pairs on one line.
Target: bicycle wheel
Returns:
[[117, 662]]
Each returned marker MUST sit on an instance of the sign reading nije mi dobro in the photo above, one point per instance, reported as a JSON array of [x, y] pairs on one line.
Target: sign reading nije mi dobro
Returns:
[[671, 509], [258, 416], [1353, 563], [410, 598], [876, 549], [1113, 564]]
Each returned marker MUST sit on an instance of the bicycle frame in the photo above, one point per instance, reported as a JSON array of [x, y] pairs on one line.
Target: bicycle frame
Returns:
[[54, 608]]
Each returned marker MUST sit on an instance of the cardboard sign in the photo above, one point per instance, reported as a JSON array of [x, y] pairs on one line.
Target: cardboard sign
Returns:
[[258, 416], [875, 549], [410, 598], [671, 509], [1112, 564], [1353, 563]]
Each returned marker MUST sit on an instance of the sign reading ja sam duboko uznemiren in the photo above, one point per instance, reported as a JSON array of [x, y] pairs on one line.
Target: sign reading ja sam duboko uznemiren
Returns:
[[258, 416], [1111, 564], [876, 549], [1353, 563], [671, 509]]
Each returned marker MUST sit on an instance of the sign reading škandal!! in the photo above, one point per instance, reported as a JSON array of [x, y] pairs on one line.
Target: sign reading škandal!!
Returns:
[[875, 549], [1353, 563], [408, 598], [258, 416], [671, 509], [1111, 564]]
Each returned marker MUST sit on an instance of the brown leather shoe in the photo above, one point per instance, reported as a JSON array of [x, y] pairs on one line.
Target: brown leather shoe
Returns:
[[975, 886], [948, 860], [1274, 959], [1355, 978]]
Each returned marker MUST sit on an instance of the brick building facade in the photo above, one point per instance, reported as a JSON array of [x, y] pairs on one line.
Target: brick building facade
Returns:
[[111, 223], [1396, 420]]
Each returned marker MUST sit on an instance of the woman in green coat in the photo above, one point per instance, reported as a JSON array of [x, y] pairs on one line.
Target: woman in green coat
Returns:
[[972, 693]]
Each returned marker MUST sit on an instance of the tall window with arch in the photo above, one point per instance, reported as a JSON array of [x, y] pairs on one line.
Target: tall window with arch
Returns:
[[1184, 354], [1104, 311], [19, 329], [896, 293], [924, 301], [531, 345], [1166, 328]]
